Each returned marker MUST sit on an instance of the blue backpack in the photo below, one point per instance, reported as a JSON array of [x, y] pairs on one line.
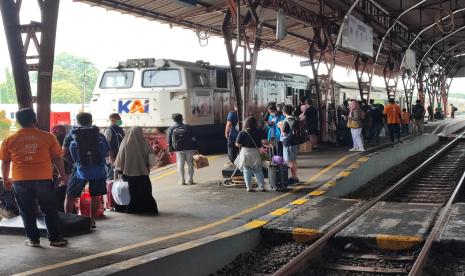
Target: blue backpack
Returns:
[[88, 149]]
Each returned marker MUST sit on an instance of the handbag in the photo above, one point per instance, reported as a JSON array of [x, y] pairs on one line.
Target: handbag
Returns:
[[239, 161], [353, 124], [120, 192]]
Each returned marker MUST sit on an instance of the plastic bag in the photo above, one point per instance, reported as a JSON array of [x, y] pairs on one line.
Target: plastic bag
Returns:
[[382, 133], [120, 192]]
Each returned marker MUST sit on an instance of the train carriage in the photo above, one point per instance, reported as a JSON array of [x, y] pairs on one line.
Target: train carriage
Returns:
[[145, 92]]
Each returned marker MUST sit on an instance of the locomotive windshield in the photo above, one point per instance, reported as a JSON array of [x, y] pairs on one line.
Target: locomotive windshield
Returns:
[[161, 77], [117, 79]]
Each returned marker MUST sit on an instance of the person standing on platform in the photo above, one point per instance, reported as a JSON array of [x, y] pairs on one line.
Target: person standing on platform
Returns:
[[134, 163], [302, 108], [290, 150], [393, 118], [274, 132], [452, 111], [354, 122], [250, 140], [114, 135], [32, 153], [310, 119], [88, 149], [230, 133], [405, 121], [377, 122], [181, 140], [418, 115], [60, 132], [430, 114]]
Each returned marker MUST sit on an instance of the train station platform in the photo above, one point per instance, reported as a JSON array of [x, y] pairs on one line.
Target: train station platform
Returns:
[[187, 213]]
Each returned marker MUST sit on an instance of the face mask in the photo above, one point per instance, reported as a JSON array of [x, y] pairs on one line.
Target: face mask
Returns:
[[119, 122]]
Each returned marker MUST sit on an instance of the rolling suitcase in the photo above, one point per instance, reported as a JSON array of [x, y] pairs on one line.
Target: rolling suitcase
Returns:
[[278, 176], [277, 173]]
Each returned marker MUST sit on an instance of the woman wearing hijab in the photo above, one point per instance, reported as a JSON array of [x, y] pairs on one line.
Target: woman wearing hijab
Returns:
[[133, 162], [354, 122]]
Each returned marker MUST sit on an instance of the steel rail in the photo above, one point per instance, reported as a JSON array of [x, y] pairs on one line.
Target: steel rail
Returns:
[[440, 222], [300, 261]]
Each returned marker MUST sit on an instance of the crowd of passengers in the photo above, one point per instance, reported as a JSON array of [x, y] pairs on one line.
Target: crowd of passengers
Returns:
[[50, 170]]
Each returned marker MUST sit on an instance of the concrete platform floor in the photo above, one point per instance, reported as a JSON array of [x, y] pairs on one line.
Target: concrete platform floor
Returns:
[[307, 222], [186, 213], [452, 236], [391, 226]]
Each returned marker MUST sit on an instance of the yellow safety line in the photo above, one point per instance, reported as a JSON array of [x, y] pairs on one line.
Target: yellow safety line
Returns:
[[180, 234]]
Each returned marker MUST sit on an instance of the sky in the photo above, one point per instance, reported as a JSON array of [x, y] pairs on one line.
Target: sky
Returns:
[[107, 37]]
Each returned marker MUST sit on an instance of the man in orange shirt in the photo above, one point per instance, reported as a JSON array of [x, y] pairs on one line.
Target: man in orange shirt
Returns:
[[393, 117], [32, 152], [405, 121]]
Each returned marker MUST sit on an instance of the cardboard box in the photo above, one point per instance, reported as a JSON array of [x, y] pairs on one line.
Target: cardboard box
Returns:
[[305, 147], [200, 161]]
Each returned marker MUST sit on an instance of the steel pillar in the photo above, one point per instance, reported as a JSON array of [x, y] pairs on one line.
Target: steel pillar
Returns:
[[320, 54], [408, 80], [362, 67], [49, 9], [10, 15], [19, 54], [391, 73], [247, 33]]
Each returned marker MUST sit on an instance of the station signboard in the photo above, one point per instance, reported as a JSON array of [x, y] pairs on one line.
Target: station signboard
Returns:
[[410, 61], [357, 36]]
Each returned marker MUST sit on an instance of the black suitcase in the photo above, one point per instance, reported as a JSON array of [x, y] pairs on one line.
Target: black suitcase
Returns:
[[278, 176]]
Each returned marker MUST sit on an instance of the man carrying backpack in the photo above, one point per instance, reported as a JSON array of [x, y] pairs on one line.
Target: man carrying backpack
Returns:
[[418, 115], [181, 140], [114, 135], [87, 148], [291, 138]]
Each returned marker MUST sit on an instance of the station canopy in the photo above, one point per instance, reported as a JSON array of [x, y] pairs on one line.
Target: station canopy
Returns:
[[433, 29]]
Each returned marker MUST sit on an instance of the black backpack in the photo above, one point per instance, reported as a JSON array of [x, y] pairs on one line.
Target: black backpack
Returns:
[[182, 139], [298, 133]]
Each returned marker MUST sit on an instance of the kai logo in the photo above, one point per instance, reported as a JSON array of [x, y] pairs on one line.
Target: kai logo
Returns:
[[133, 106]]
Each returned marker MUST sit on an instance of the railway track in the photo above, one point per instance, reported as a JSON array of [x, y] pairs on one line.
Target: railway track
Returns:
[[436, 181]]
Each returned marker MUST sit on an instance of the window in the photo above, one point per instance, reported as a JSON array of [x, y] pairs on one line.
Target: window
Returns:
[[161, 77], [117, 79], [288, 91], [222, 79], [200, 79]]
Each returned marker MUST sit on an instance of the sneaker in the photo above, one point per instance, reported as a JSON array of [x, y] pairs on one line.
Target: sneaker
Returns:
[[261, 190], [190, 182], [353, 149], [293, 181], [361, 149], [32, 243], [59, 242]]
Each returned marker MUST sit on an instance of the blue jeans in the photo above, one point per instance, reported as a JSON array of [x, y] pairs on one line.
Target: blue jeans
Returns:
[[394, 129], [249, 171], [42, 191]]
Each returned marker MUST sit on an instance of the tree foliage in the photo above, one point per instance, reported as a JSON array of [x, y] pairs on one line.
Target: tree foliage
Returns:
[[67, 84]]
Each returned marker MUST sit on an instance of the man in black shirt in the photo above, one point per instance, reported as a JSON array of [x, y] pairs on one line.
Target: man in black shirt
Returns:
[[181, 140]]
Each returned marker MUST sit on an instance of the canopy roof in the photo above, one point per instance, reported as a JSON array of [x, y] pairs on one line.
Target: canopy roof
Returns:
[[302, 15]]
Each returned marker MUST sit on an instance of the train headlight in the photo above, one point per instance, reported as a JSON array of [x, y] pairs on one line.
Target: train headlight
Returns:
[[161, 63]]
